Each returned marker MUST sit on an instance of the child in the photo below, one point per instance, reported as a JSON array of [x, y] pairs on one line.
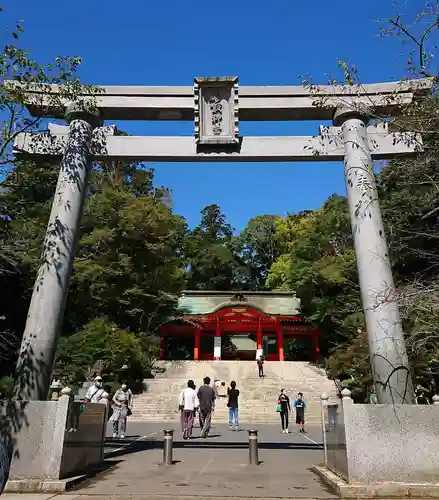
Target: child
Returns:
[[300, 406]]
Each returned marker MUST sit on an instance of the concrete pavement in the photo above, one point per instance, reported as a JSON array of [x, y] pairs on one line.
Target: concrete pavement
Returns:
[[216, 466], [209, 468]]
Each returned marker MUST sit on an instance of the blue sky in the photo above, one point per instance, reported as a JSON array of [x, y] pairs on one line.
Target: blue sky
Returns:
[[144, 42]]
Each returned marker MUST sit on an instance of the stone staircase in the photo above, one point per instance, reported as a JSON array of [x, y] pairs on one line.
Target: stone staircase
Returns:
[[257, 401]]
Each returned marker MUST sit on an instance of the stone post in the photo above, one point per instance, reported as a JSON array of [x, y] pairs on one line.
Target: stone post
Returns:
[[66, 392], [387, 349], [323, 405], [55, 388], [46, 310]]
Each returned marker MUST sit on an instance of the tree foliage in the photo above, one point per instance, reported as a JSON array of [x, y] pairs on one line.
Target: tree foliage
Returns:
[[211, 259], [258, 247]]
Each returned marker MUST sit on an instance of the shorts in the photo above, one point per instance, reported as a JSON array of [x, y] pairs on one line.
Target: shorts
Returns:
[[300, 416]]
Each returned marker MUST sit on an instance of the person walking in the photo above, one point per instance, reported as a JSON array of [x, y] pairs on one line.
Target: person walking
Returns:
[[216, 386], [232, 405], [207, 397], [95, 391], [260, 362], [284, 402], [122, 407], [300, 406], [222, 391], [189, 403]]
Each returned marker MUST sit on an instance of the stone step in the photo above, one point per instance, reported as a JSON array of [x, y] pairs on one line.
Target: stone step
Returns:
[[225, 418], [258, 396]]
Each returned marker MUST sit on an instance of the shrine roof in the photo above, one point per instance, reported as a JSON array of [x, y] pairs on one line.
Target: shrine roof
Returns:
[[196, 302]]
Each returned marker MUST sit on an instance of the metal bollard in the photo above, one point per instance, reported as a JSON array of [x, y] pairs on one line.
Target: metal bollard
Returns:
[[168, 439], [253, 447]]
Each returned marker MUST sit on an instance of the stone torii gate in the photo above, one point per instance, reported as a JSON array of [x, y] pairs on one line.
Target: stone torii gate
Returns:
[[215, 106]]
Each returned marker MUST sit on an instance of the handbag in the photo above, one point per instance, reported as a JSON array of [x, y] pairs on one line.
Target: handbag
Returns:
[[278, 408]]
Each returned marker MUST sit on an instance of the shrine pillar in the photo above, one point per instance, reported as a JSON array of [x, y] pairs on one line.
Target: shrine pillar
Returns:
[[259, 347], [197, 343], [162, 347], [217, 343], [316, 348], [280, 342], [388, 355]]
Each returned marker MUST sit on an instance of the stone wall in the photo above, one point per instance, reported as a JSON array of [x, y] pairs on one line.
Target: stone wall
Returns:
[[84, 438], [336, 440], [371, 444], [51, 439]]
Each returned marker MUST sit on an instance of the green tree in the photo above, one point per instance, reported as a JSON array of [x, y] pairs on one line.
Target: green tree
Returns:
[[212, 260], [319, 264], [104, 340], [258, 245], [130, 266]]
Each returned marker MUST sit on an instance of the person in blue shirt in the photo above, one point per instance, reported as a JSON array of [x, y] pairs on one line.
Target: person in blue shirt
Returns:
[[300, 406]]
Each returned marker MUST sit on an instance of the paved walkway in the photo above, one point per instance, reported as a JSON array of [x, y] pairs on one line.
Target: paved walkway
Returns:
[[209, 468]]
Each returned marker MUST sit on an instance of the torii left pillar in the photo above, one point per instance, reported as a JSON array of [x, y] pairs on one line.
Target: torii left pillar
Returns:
[[46, 310]]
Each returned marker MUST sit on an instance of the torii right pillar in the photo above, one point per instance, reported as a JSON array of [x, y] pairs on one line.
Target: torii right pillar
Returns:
[[387, 348]]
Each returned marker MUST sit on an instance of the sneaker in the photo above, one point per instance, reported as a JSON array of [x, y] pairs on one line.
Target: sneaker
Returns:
[[283, 431], [286, 431], [237, 429], [122, 436], [114, 435], [231, 427]]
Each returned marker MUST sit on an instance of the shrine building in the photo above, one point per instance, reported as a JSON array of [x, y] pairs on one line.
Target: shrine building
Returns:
[[235, 325]]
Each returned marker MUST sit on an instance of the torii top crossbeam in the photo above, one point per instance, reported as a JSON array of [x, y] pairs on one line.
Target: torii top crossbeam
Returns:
[[216, 105], [256, 103]]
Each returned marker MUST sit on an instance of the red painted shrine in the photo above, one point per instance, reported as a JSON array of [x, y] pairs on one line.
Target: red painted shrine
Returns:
[[235, 325]]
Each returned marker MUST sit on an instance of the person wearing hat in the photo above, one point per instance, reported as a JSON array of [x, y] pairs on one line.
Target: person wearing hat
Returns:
[[95, 392], [122, 406]]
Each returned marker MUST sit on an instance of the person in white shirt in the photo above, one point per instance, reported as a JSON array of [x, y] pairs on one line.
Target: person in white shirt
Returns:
[[95, 392], [188, 404]]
